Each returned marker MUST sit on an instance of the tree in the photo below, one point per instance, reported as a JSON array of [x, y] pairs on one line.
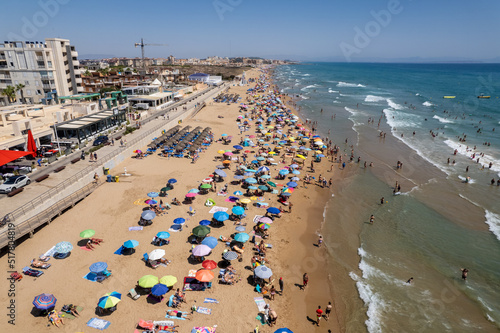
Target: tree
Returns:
[[87, 73], [103, 91], [20, 87], [10, 92]]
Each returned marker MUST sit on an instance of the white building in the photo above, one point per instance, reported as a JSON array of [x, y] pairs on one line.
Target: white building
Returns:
[[44, 68]]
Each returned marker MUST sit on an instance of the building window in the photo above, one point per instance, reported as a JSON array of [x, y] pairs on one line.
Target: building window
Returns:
[[28, 92], [37, 83], [38, 92], [49, 64], [26, 83]]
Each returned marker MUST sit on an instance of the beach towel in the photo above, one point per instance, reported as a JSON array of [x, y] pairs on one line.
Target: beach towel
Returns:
[[203, 310], [231, 199], [175, 228], [50, 252], [210, 300], [120, 250], [175, 317], [100, 324], [261, 304], [69, 315], [191, 284], [171, 300], [163, 323], [261, 318], [90, 276], [192, 272], [215, 209], [204, 329], [135, 228], [257, 218], [85, 248]]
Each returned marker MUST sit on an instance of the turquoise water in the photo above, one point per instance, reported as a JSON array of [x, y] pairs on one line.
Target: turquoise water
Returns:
[[439, 224]]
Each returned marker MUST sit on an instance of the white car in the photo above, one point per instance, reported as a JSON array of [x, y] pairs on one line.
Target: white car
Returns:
[[14, 183]]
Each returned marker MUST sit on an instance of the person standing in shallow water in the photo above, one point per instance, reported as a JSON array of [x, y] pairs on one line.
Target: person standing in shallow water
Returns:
[[464, 273]]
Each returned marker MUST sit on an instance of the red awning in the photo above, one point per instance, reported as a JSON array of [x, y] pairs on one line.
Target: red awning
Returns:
[[7, 156]]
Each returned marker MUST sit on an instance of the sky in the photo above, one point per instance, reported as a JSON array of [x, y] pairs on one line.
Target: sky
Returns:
[[313, 30]]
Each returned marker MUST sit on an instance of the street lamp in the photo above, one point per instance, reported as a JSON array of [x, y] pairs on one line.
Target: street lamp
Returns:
[[57, 137]]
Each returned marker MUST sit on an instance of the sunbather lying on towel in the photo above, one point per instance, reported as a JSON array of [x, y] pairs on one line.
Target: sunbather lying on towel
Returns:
[[96, 241], [89, 245], [71, 309], [159, 328], [55, 319], [39, 264], [179, 314]]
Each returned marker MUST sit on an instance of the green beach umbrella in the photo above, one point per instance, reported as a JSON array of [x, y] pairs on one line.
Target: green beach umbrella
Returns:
[[148, 281], [207, 186], [109, 300], [168, 280], [271, 184], [201, 231], [87, 233]]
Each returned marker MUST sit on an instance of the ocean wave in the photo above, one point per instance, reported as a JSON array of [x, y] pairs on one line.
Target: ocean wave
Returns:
[[336, 102], [350, 85], [303, 97], [351, 111], [464, 150], [493, 221], [310, 87], [443, 120], [306, 74], [464, 179], [332, 91], [372, 98], [394, 105], [400, 120], [427, 103], [373, 301]]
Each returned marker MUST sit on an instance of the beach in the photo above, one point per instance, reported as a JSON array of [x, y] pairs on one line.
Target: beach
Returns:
[[114, 207]]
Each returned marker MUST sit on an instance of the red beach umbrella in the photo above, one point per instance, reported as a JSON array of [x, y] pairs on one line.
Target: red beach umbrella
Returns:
[[209, 264]]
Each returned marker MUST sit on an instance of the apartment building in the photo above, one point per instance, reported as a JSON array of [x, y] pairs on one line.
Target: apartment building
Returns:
[[44, 68]]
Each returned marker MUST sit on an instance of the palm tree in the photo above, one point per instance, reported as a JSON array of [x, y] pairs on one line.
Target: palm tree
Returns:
[[20, 87], [10, 92]]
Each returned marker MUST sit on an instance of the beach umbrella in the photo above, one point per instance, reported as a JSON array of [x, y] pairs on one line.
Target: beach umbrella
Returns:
[[201, 250], [320, 155], [208, 180], [265, 219], [248, 173], [201, 231], [239, 177], [284, 172], [264, 226], [263, 272], [163, 235], [151, 202], [221, 216], [271, 184], [44, 301], [240, 228], [98, 267], [293, 166], [252, 187], [273, 210], [206, 186], [148, 281], [153, 194], [172, 181], [156, 254], [295, 179], [224, 134], [241, 237], [226, 162], [168, 280], [194, 190], [238, 193], [251, 180], [87, 233], [291, 184], [255, 162], [238, 147], [220, 151], [159, 289], [63, 247], [191, 195], [238, 210], [228, 153], [260, 158], [204, 222], [300, 156], [263, 169], [165, 189], [220, 173], [137, 151], [296, 172], [130, 244], [245, 201], [109, 300], [148, 215], [265, 177], [230, 255], [209, 264], [263, 188], [204, 275], [210, 241], [179, 220]]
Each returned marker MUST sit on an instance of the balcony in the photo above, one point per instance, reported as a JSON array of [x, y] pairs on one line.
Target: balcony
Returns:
[[76, 63], [74, 54], [46, 86], [78, 80]]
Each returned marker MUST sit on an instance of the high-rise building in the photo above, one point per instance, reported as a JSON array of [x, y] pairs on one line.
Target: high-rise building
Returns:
[[42, 67]]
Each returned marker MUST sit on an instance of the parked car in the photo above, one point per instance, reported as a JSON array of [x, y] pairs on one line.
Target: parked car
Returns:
[[13, 183], [101, 140]]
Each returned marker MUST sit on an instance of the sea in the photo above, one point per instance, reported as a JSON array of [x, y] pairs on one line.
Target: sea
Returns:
[[446, 216]]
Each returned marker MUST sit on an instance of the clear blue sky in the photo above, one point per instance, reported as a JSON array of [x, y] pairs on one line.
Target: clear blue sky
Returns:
[[302, 30]]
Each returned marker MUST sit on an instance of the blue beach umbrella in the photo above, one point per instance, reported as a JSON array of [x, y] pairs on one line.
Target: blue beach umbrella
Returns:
[[210, 241], [263, 272], [263, 169], [238, 193], [239, 177], [248, 173], [163, 235], [240, 228], [241, 237], [131, 243], [148, 215], [220, 173], [260, 158], [238, 147], [179, 220], [252, 187], [283, 330], [224, 134], [265, 177], [284, 172], [320, 155], [204, 222], [194, 190], [238, 210], [291, 184], [159, 289], [221, 216], [251, 180], [273, 210], [63, 247], [98, 267], [172, 181], [296, 172], [295, 179], [263, 188], [44, 301], [153, 194]]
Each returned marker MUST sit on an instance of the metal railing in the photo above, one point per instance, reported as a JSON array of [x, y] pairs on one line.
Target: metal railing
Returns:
[[36, 202]]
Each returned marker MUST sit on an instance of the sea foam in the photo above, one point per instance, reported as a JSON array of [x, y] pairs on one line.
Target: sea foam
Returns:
[[427, 103], [350, 85], [372, 98], [443, 120], [493, 221], [394, 105]]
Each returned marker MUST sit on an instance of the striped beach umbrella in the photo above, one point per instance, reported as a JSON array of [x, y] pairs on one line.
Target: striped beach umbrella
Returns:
[[63, 247], [98, 267], [263, 272], [109, 300], [44, 301], [230, 255]]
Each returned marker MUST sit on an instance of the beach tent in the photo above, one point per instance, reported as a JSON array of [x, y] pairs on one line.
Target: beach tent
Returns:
[[209, 202]]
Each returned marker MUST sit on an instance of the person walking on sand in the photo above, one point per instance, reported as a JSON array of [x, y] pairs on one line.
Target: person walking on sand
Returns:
[[382, 200], [290, 207], [372, 219], [464, 273], [328, 310], [95, 156], [96, 178], [305, 280], [319, 314], [320, 241], [281, 285]]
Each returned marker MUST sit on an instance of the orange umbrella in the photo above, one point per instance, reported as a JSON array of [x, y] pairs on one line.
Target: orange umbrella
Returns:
[[226, 162], [204, 275]]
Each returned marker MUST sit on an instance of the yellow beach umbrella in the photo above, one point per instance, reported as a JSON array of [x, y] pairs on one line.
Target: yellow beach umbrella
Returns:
[[253, 198], [268, 134], [148, 281], [245, 201], [272, 153], [168, 280], [300, 156], [221, 151], [317, 139]]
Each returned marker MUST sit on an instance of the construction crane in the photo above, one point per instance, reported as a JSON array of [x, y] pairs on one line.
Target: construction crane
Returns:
[[141, 44]]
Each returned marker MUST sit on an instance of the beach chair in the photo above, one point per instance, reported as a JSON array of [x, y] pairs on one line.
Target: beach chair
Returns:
[[31, 272], [133, 294]]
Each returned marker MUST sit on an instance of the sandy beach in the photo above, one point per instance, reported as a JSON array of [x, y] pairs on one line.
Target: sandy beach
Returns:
[[114, 207]]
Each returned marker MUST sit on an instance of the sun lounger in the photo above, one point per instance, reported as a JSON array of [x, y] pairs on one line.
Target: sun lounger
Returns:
[[31, 272], [133, 294]]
